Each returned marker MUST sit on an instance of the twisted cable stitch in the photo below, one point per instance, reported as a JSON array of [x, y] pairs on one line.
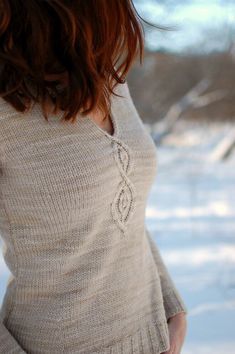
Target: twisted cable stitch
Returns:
[[123, 204]]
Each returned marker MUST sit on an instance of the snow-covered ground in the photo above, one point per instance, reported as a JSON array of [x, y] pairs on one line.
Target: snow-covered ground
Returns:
[[191, 215]]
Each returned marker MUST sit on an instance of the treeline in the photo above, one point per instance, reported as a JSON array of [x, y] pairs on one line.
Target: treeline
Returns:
[[165, 79]]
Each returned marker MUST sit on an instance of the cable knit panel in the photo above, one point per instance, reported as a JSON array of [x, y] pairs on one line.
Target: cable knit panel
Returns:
[[123, 204]]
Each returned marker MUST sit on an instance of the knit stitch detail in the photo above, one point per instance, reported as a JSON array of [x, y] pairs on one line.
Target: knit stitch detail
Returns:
[[151, 338], [123, 204]]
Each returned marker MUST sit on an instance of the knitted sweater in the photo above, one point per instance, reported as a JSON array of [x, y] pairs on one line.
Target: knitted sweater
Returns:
[[86, 276]]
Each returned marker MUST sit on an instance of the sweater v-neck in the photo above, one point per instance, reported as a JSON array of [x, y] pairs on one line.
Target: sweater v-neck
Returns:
[[115, 128]]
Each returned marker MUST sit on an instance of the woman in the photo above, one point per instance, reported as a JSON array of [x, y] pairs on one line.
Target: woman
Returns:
[[86, 274]]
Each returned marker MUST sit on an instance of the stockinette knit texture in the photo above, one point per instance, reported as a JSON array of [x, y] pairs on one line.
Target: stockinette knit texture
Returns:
[[86, 276]]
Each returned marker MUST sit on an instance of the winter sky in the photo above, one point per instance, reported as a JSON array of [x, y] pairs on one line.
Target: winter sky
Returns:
[[200, 26]]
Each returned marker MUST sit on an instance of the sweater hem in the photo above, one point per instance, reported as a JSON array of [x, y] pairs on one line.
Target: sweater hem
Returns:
[[152, 338]]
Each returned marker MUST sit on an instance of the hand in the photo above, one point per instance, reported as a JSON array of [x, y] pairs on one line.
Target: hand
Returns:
[[177, 326]]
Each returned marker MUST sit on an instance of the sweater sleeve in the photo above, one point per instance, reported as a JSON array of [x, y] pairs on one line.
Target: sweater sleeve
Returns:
[[173, 302], [8, 344]]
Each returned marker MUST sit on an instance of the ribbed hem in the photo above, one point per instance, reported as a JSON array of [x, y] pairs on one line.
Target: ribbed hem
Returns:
[[173, 303], [152, 338], [8, 344]]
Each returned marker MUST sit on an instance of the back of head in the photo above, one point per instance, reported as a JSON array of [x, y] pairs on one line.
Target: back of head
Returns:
[[68, 53]]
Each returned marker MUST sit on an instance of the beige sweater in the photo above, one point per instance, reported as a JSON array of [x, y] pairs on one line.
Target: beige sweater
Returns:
[[86, 276]]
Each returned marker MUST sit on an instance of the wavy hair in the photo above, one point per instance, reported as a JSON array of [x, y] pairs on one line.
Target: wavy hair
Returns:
[[90, 44]]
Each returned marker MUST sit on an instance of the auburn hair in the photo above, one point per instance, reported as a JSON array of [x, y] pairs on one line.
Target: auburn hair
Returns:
[[91, 44]]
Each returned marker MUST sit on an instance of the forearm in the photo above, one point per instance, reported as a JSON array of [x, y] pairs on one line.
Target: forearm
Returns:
[[173, 302]]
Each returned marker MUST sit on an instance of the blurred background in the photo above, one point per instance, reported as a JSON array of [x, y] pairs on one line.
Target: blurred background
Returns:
[[185, 93]]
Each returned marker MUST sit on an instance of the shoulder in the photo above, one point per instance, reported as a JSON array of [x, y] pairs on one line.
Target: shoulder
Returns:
[[122, 89], [9, 116], [126, 97], [6, 110]]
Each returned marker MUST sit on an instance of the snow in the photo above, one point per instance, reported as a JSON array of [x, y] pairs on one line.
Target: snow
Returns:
[[191, 216]]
